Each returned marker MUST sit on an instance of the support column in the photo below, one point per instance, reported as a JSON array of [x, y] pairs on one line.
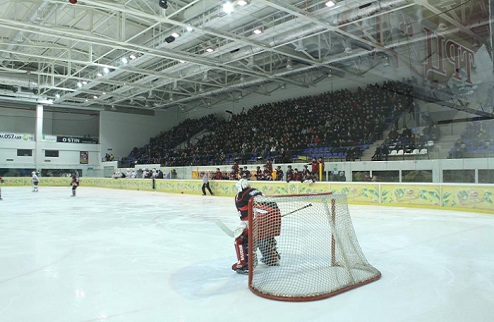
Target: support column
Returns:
[[490, 101], [38, 153]]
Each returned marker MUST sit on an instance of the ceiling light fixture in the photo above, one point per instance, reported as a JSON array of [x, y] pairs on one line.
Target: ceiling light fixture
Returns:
[[163, 4], [228, 7], [175, 34], [330, 4], [257, 31], [289, 64], [132, 56], [242, 3], [209, 50], [124, 60]]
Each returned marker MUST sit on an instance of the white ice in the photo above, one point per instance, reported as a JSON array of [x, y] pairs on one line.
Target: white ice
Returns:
[[117, 255]]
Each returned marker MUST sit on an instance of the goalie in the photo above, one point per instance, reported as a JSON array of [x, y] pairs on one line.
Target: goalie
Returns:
[[265, 216]]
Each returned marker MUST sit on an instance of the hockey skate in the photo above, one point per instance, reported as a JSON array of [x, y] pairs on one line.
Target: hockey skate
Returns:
[[269, 251], [271, 261], [238, 268]]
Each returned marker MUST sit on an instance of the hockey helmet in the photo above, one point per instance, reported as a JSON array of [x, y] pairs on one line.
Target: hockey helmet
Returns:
[[242, 184]]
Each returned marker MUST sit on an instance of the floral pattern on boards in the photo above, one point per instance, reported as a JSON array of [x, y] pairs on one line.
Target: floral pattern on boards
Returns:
[[450, 196], [468, 197]]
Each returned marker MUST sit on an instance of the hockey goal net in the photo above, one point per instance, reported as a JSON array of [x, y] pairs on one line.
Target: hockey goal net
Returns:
[[304, 248]]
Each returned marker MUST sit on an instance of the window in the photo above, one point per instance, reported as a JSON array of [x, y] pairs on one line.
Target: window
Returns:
[[486, 176], [51, 153], [24, 153], [459, 176], [416, 176]]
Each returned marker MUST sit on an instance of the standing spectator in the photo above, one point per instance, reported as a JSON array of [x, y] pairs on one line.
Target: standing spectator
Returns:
[[314, 166], [159, 174], [205, 184], [258, 174], [341, 176], [377, 156], [279, 173], [306, 173], [235, 170], [218, 175], [297, 175], [245, 173], [269, 165], [290, 175], [266, 174]]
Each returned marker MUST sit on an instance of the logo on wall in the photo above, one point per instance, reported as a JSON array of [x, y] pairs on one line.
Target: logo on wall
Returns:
[[75, 139], [16, 137], [84, 157]]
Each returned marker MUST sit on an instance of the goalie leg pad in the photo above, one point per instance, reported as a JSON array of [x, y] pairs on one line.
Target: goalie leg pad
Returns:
[[270, 255], [242, 250]]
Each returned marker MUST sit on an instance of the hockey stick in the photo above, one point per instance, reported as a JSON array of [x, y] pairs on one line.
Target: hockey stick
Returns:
[[223, 227], [293, 211], [230, 233]]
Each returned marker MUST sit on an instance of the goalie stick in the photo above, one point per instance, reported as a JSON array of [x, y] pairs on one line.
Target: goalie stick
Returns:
[[293, 211], [230, 233], [223, 227]]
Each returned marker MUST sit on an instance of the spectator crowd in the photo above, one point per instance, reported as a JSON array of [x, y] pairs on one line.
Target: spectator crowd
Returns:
[[340, 121]]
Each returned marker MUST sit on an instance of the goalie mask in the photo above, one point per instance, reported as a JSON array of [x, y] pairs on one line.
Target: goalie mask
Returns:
[[242, 184]]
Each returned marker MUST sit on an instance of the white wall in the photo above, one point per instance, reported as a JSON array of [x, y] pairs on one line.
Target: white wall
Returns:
[[54, 123], [121, 132], [17, 120], [71, 124]]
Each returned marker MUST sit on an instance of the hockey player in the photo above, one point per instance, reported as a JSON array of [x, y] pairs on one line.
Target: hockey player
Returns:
[[74, 183], [35, 181], [266, 215]]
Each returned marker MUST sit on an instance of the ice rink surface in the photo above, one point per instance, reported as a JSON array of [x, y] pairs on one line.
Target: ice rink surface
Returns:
[[117, 255]]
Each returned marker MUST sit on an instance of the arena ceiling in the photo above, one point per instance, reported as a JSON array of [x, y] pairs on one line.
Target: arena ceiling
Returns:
[[129, 55]]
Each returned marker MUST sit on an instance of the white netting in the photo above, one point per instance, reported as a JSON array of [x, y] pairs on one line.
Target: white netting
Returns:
[[304, 247]]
